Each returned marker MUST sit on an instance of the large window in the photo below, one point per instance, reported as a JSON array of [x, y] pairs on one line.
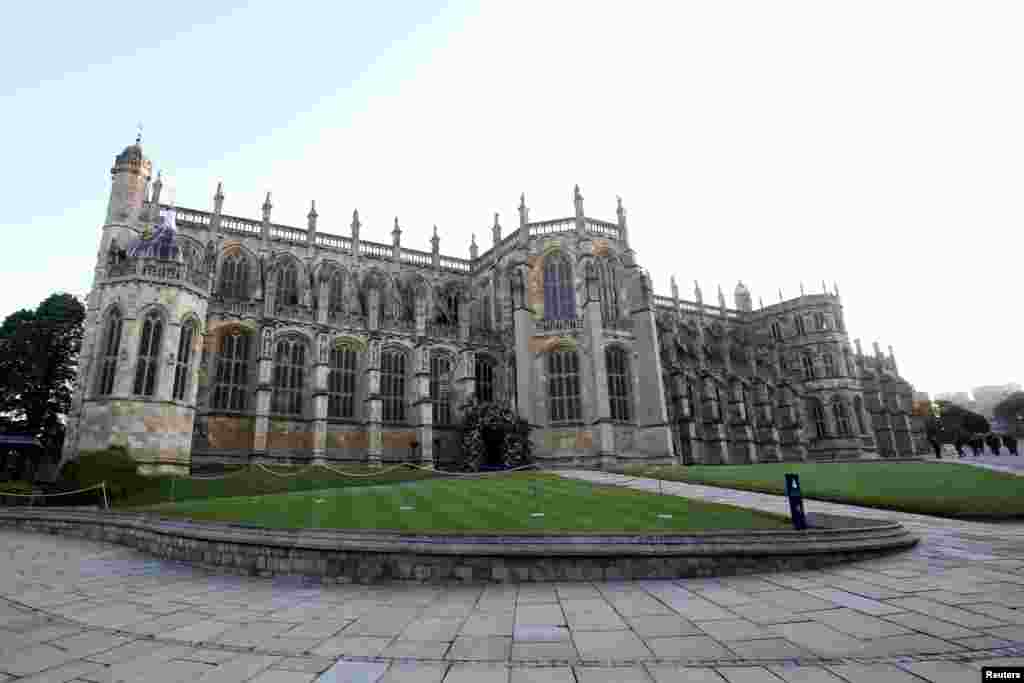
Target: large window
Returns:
[[799, 321], [288, 285], [108, 358], [691, 405], [776, 331], [289, 377], [336, 292], [182, 364], [440, 388], [841, 416], [817, 414], [808, 366], [149, 355], [341, 384], [819, 321], [723, 412], [564, 387], [559, 293], [231, 388], [234, 277], [617, 368], [609, 291], [858, 408], [392, 385], [485, 379], [830, 365]]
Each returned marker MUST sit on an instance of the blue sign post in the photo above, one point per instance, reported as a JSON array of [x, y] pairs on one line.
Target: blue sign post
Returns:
[[796, 502]]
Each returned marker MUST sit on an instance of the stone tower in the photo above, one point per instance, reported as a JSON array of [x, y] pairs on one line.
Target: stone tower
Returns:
[[145, 318]]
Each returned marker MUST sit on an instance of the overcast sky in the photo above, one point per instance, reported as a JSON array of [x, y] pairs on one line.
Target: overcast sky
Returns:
[[878, 145]]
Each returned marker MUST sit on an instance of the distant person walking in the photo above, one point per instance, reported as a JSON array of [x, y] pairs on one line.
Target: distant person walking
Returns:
[[959, 445], [937, 447], [1011, 443], [993, 442]]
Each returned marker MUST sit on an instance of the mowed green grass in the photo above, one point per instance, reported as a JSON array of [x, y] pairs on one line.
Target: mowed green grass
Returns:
[[252, 480], [930, 488], [495, 505]]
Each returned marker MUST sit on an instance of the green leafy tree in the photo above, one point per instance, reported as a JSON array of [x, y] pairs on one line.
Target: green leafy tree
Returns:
[[494, 435], [1011, 411], [38, 361], [948, 423]]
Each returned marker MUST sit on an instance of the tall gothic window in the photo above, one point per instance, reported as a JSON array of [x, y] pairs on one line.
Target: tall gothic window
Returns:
[[830, 365], [559, 293], [776, 331], [839, 322], [341, 383], [691, 406], [149, 355], [723, 413], [818, 416], [182, 365], [819, 321], [485, 379], [858, 408], [808, 366], [485, 313], [392, 385], [231, 388], [288, 285], [234, 277], [407, 303], [564, 387], [842, 419], [289, 377], [616, 365], [440, 388], [799, 320], [108, 359], [336, 292], [609, 291]]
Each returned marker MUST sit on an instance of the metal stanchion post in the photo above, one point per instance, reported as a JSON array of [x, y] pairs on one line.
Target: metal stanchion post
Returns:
[[106, 503]]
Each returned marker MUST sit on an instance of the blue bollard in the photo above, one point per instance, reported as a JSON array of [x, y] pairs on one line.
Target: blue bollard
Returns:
[[796, 502]]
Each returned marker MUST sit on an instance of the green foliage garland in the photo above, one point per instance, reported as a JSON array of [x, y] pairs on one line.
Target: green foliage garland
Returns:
[[494, 424]]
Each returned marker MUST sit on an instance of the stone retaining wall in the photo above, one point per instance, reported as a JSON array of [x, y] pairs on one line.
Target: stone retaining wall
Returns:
[[371, 557]]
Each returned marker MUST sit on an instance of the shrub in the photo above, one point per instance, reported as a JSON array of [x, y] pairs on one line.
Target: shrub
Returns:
[[113, 465], [494, 435]]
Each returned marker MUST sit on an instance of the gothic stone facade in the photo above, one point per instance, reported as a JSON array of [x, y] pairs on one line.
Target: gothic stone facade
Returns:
[[255, 341]]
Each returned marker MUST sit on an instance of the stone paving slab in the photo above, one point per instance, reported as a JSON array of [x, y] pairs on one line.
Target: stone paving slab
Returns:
[[928, 614]]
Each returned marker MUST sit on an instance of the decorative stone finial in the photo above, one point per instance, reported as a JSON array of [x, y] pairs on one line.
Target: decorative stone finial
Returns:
[[157, 186], [721, 297], [835, 287], [780, 295], [312, 215], [801, 288], [760, 301], [267, 206], [824, 287], [697, 292], [674, 286], [474, 250]]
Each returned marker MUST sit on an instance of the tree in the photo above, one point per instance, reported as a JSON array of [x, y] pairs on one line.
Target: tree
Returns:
[[494, 435], [948, 422], [38, 361], [1010, 411]]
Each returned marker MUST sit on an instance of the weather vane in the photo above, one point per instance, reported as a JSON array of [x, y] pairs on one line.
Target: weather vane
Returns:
[[138, 138]]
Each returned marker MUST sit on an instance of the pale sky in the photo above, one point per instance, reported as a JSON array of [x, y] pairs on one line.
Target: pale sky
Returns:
[[875, 144]]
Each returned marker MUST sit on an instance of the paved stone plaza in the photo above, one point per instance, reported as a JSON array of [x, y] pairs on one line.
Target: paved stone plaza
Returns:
[[74, 610]]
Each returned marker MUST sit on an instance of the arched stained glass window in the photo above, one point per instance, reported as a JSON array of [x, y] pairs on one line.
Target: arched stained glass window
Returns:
[[183, 361], [234, 277], [830, 365], [231, 388], [808, 366], [149, 355], [392, 385], [485, 369], [817, 412], [289, 377], [336, 292], [858, 408], [563, 387], [108, 358], [609, 291], [440, 388], [617, 368], [559, 292], [341, 384], [288, 285], [842, 419]]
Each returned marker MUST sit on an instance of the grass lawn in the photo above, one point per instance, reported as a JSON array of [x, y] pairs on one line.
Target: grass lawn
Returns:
[[251, 480], [930, 488], [499, 504]]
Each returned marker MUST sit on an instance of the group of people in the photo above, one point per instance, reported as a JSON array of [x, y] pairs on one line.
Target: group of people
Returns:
[[977, 443]]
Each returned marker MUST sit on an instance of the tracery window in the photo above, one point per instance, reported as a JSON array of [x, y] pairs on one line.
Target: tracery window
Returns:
[[336, 292], [776, 331], [288, 285], [486, 319], [230, 390], [830, 365], [108, 359], [392, 385], [723, 414], [485, 369], [818, 415], [149, 355], [842, 419], [440, 388], [564, 387], [341, 383], [609, 291], [183, 361], [858, 408], [839, 322], [616, 366], [559, 293], [234, 277], [289, 377], [819, 321], [691, 405], [808, 366], [799, 320]]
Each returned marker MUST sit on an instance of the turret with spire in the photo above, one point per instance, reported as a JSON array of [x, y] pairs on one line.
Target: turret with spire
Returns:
[[496, 230], [267, 206], [577, 199], [218, 207], [474, 251], [524, 218], [355, 233], [311, 223], [130, 174], [435, 249], [623, 232], [396, 242]]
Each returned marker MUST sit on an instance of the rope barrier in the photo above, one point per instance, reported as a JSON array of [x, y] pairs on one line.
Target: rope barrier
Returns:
[[102, 485]]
